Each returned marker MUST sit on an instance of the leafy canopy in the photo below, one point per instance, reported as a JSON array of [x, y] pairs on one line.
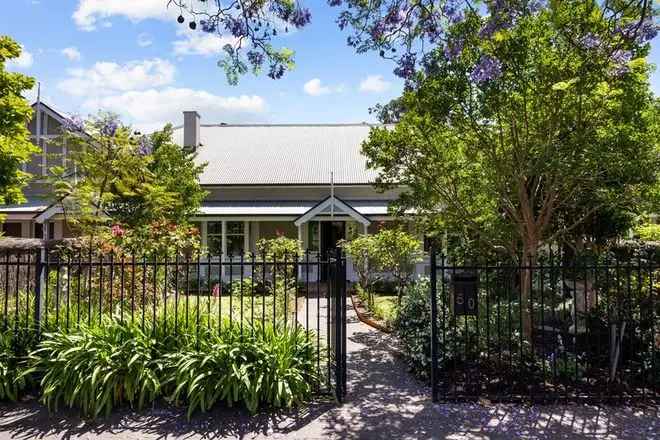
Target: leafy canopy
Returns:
[[138, 191], [505, 138], [15, 113]]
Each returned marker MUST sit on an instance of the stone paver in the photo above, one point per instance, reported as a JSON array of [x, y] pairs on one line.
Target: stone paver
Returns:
[[384, 402]]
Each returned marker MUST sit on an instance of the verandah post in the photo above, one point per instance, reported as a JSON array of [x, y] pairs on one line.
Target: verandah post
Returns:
[[434, 326]]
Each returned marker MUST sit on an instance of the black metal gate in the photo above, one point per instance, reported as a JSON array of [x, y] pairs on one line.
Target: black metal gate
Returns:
[[337, 323]]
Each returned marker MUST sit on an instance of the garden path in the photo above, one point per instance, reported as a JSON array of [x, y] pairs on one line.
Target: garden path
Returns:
[[384, 402]]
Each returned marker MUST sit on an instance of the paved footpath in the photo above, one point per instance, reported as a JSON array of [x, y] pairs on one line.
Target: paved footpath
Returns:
[[384, 402]]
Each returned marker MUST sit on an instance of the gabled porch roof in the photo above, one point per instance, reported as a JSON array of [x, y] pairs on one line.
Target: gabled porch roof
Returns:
[[330, 206]]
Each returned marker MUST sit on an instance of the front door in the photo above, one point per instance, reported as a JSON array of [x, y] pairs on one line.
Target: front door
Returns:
[[331, 233]]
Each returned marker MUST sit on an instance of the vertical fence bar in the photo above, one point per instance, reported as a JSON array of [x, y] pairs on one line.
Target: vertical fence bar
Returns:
[[121, 288], [133, 287], [242, 272], [78, 286], [154, 293], [252, 293], [6, 313], [209, 291], [101, 258], [38, 292], [199, 292], [231, 289], [68, 289], [165, 280], [434, 326]]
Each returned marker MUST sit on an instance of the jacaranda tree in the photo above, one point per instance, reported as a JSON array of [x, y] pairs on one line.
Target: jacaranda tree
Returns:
[[15, 112], [401, 30], [521, 116]]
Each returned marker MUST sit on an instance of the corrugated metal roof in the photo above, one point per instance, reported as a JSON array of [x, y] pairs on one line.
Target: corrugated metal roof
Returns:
[[293, 208], [28, 207], [282, 154]]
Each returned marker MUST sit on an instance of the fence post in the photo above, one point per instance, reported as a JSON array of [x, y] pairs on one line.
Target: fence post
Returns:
[[40, 282], [434, 326]]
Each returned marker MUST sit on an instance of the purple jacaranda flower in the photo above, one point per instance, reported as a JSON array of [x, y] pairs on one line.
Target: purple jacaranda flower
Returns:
[[145, 147], [236, 27], [452, 11], [276, 71], [255, 58], [394, 16], [590, 41], [208, 26], [488, 29], [74, 124], [487, 69], [334, 2], [535, 6], [109, 127], [620, 58], [642, 32], [301, 17], [377, 30], [453, 49], [406, 66]]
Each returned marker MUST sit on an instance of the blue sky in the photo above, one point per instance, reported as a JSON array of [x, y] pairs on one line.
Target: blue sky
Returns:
[[131, 57]]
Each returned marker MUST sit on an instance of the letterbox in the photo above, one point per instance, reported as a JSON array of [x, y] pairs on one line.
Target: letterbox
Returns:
[[466, 288]]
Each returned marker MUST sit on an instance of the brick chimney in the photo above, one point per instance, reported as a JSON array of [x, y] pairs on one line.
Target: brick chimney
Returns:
[[191, 130]]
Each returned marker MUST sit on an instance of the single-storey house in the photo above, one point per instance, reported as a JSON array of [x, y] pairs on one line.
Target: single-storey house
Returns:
[[305, 181]]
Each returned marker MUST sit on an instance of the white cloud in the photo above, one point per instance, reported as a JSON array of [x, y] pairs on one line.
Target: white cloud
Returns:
[[151, 109], [106, 78], [72, 53], [315, 87], [374, 84], [200, 43], [24, 61], [144, 40], [90, 13]]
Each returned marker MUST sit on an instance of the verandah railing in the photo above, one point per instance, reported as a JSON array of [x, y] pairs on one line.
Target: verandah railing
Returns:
[[60, 290], [556, 329]]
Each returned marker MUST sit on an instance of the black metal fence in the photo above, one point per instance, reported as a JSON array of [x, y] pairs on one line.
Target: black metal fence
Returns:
[[555, 329], [60, 290]]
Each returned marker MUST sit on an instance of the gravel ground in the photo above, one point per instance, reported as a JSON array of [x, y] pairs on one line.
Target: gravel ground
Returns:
[[384, 401]]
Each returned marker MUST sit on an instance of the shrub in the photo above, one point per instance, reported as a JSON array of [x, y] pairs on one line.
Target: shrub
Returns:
[[95, 369], [271, 365], [391, 250], [648, 232], [12, 379], [413, 327]]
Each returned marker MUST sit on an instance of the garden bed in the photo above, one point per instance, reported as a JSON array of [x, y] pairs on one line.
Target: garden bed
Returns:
[[381, 315]]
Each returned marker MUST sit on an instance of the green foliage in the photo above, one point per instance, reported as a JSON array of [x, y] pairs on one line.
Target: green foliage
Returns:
[[137, 193], [648, 232], [15, 146], [271, 365], [391, 251], [529, 154], [12, 379], [276, 249], [363, 251], [413, 328], [96, 369]]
